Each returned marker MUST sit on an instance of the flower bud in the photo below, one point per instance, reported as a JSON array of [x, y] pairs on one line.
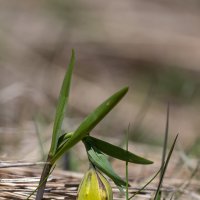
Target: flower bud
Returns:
[[94, 186]]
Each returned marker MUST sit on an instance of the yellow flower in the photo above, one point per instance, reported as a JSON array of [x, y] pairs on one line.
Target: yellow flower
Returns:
[[94, 186]]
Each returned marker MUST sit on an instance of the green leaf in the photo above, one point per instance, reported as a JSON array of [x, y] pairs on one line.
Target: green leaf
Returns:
[[164, 168], [127, 134], [159, 195], [166, 136], [116, 151], [141, 189], [99, 160], [90, 122], [61, 106], [64, 138]]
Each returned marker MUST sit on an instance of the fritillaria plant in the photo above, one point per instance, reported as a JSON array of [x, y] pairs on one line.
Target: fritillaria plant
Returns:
[[96, 149]]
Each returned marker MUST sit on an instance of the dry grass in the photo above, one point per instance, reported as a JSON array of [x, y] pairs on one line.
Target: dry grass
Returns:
[[182, 179]]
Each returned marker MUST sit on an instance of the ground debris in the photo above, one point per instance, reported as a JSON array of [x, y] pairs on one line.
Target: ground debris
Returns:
[[19, 182]]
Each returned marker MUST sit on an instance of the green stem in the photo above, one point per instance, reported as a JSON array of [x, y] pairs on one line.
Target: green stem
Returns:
[[43, 179], [127, 163]]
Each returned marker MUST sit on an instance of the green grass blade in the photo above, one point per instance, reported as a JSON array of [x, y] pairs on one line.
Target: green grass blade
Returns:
[[145, 184], [99, 160], [164, 149], [91, 121], [159, 195], [166, 136], [127, 134], [116, 151], [61, 106], [165, 167]]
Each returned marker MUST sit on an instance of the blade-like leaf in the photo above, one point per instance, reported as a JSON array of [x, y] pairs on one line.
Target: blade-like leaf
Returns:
[[159, 195], [141, 189], [165, 167], [116, 151], [63, 139], [99, 160], [61, 106], [91, 121], [127, 133], [166, 136]]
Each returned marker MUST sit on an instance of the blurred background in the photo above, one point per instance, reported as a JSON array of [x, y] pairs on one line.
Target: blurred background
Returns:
[[151, 46]]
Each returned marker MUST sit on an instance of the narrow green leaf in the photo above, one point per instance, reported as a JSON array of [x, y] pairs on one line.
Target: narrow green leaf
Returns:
[[99, 160], [159, 195], [141, 189], [163, 169], [64, 138], [164, 150], [91, 121], [61, 106], [127, 134], [116, 151], [166, 136]]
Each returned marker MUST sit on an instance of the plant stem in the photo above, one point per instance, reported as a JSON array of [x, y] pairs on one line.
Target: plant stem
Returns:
[[43, 179], [127, 163]]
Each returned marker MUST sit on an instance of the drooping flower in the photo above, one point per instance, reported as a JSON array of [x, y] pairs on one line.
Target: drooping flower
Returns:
[[94, 186]]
